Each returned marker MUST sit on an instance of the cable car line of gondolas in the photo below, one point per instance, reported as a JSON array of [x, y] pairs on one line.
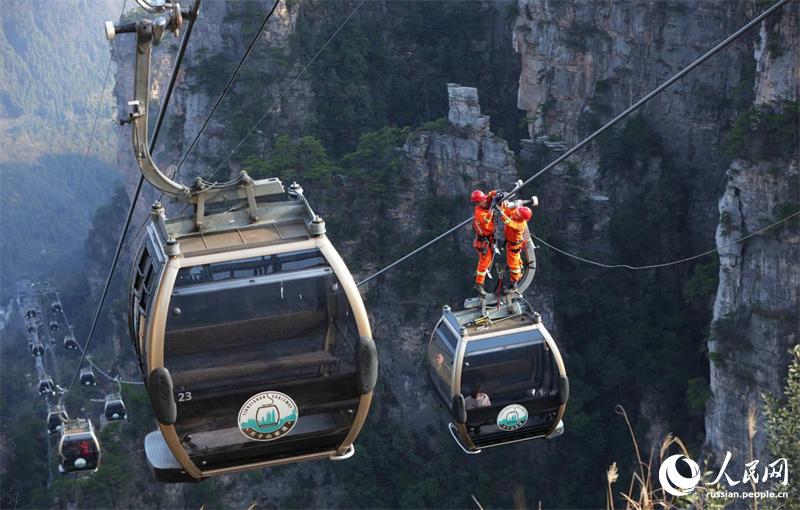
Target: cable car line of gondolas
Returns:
[[252, 337], [78, 447]]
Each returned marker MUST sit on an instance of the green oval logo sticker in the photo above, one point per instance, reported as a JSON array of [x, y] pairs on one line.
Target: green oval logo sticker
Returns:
[[267, 416], [512, 417]]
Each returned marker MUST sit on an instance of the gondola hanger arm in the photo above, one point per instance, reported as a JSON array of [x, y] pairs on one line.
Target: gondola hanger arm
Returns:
[[150, 32]]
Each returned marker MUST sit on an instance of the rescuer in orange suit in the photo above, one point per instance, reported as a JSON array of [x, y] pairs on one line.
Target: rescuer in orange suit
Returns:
[[516, 223], [483, 224]]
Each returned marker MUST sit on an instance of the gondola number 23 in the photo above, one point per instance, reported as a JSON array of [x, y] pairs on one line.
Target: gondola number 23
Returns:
[[184, 396]]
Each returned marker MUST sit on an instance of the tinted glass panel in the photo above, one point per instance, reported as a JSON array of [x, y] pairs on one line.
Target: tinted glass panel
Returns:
[[513, 369], [447, 334], [440, 363], [248, 268], [76, 448], [502, 341], [267, 324], [509, 374]]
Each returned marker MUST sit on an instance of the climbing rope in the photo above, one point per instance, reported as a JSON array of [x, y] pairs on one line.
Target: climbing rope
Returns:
[[658, 90]]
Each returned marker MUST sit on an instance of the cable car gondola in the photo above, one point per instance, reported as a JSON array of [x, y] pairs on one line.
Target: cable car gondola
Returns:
[[30, 313], [31, 329], [70, 343], [56, 306], [37, 349], [86, 377], [55, 417], [500, 373], [47, 386], [252, 337], [53, 325], [114, 408], [256, 335], [78, 449]]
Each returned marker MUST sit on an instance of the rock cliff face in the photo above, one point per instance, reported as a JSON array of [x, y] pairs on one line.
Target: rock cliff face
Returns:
[[581, 62], [584, 62], [756, 314], [219, 41], [443, 165]]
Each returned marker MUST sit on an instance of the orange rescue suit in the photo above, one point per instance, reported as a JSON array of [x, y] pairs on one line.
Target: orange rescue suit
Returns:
[[483, 224], [514, 232]]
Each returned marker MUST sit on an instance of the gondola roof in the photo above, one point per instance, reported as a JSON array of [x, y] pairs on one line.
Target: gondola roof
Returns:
[[500, 320]]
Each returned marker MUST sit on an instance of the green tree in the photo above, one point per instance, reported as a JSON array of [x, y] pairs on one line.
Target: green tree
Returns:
[[375, 162], [302, 159]]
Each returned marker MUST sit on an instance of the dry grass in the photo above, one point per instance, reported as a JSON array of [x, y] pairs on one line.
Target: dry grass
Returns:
[[645, 493]]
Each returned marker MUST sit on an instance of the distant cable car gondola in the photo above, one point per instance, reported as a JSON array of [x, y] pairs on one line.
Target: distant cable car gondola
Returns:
[[70, 343], [114, 408], [53, 325], [56, 306], [251, 334], [30, 329], [30, 313], [499, 372], [37, 349], [86, 377], [47, 386], [78, 449], [55, 417]]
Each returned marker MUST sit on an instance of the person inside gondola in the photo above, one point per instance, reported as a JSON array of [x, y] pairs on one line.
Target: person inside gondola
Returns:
[[477, 399]]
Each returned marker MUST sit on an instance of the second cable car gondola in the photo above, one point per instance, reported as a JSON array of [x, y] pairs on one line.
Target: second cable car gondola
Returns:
[[53, 325], [56, 306], [47, 386], [78, 448], [37, 349], [500, 373], [86, 377], [70, 343], [56, 416], [114, 408]]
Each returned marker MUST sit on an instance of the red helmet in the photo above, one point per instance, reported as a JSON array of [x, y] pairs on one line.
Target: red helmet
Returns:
[[523, 213], [477, 196]]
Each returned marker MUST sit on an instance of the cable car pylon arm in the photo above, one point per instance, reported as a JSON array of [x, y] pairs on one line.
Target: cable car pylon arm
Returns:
[[149, 32]]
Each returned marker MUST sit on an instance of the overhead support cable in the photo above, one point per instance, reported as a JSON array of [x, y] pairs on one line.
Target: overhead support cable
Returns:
[[110, 377], [635, 106], [227, 87]]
